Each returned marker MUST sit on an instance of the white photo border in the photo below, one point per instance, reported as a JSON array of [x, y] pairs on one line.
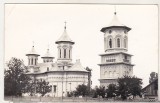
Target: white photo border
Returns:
[[100, 2]]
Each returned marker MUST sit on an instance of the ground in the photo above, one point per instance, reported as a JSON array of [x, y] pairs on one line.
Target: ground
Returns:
[[68, 99]]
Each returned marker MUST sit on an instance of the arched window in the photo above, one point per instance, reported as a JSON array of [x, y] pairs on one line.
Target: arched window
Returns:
[[32, 62], [118, 42], [69, 53], [64, 53], [47, 68], [54, 88], [125, 43], [60, 53], [110, 43], [35, 61], [28, 61]]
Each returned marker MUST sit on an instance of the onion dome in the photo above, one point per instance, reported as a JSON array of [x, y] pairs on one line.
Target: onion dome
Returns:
[[115, 24], [33, 52]]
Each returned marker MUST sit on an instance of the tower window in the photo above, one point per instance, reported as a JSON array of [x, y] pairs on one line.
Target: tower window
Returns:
[[118, 42], [35, 61], [28, 61], [125, 57], [110, 43], [125, 43], [54, 88], [64, 53], [69, 53], [125, 32], [32, 61], [47, 68], [60, 53]]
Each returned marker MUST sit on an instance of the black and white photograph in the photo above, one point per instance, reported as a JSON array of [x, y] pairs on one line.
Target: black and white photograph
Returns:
[[80, 53]]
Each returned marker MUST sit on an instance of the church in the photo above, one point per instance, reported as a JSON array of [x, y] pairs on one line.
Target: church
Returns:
[[63, 75], [115, 61]]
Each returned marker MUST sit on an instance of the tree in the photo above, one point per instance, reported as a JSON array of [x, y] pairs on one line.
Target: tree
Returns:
[[82, 90], [128, 86], [111, 90], [15, 79], [101, 91], [153, 77], [42, 87], [31, 88]]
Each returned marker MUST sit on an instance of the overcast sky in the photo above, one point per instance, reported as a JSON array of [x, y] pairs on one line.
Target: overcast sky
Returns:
[[44, 24]]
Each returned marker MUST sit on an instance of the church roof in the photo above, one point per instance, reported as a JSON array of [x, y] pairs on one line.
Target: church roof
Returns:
[[53, 67], [32, 52], [64, 38], [78, 67], [47, 55], [116, 24]]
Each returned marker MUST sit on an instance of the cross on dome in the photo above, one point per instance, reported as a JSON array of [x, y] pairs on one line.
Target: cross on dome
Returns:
[[115, 12], [48, 47], [33, 43], [65, 25]]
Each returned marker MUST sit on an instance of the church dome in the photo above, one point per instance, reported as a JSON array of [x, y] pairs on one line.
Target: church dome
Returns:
[[64, 38], [47, 55], [115, 23], [32, 52]]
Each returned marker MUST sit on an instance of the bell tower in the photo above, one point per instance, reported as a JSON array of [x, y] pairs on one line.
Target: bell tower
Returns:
[[115, 61], [115, 36]]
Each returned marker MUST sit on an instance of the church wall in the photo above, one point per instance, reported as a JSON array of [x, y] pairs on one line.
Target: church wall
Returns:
[[115, 58], [70, 81], [110, 71], [107, 82]]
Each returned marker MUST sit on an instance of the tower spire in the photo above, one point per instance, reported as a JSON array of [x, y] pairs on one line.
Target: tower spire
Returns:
[[33, 44], [115, 12], [48, 46], [65, 25]]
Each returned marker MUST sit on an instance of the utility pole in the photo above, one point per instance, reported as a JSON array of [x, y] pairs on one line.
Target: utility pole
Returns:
[[70, 87], [62, 80]]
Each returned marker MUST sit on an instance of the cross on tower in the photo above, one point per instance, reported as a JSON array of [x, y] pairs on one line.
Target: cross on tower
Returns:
[[65, 24], [33, 43], [115, 10], [48, 46]]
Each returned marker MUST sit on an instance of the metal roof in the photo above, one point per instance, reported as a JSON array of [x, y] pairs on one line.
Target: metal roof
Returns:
[[64, 38], [115, 24], [32, 52], [47, 55]]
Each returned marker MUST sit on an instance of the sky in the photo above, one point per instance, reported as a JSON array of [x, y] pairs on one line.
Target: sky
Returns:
[[44, 24]]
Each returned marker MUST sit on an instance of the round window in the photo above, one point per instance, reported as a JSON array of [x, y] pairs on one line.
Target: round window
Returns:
[[110, 31]]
